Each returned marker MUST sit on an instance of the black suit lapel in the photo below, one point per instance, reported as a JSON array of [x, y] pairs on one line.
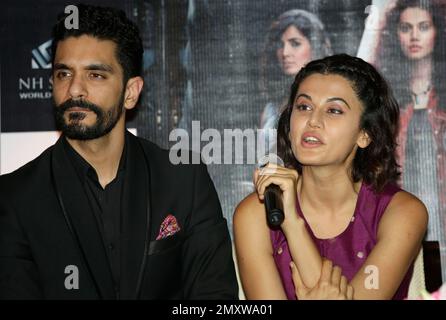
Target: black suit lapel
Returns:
[[135, 218], [81, 221]]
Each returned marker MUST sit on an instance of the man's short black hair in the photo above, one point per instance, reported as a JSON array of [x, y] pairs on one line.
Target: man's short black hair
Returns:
[[105, 24]]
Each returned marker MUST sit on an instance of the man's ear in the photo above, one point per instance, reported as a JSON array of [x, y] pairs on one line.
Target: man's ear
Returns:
[[363, 140], [132, 91]]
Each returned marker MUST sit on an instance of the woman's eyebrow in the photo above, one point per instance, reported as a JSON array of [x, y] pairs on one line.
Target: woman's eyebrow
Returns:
[[339, 99], [328, 100]]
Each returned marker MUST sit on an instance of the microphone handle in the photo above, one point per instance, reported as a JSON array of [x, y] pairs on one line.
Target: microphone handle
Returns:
[[274, 205]]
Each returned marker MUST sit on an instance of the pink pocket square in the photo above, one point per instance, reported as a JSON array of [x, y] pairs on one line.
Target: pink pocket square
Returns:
[[168, 227]]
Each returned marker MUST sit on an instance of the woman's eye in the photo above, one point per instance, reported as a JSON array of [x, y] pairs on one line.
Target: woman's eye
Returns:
[[302, 107], [404, 28], [335, 111], [424, 26], [295, 43]]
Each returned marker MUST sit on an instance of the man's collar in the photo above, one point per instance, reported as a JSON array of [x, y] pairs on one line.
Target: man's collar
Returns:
[[82, 167]]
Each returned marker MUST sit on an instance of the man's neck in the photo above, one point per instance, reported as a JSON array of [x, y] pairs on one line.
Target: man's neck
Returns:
[[103, 154]]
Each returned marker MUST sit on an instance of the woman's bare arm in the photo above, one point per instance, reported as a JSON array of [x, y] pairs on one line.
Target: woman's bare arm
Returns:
[[374, 25], [400, 233], [258, 272]]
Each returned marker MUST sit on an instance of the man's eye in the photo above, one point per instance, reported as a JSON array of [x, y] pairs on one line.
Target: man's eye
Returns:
[[96, 76], [63, 74]]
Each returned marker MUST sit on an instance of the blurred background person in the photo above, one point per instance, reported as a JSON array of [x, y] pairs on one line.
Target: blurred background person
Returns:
[[294, 39], [405, 40]]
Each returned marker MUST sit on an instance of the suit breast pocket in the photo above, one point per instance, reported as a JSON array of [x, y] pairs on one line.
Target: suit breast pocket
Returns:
[[164, 268], [167, 244]]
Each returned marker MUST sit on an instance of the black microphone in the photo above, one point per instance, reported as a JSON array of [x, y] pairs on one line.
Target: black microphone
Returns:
[[274, 205]]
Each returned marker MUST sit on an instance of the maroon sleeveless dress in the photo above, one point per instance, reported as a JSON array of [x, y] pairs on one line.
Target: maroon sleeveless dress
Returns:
[[348, 250]]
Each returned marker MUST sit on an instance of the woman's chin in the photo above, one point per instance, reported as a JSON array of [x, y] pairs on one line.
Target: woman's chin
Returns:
[[290, 71]]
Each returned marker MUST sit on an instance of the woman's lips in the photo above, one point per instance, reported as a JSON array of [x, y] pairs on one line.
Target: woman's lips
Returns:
[[414, 48], [288, 64], [310, 140]]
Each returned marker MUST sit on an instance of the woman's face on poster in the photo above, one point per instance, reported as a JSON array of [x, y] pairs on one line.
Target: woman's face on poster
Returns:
[[294, 51], [416, 33]]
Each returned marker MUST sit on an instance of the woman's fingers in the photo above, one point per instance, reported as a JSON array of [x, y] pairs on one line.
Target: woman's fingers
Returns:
[[336, 275], [301, 290], [343, 285], [327, 268], [349, 292], [284, 182]]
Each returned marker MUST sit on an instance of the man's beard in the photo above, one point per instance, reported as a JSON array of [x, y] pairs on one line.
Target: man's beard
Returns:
[[74, 129]]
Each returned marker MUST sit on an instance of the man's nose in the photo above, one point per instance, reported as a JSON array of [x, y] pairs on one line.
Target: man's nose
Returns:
[[77, 87]]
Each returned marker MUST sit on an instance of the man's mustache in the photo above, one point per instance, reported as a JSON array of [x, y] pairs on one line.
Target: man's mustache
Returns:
[[70, 103]]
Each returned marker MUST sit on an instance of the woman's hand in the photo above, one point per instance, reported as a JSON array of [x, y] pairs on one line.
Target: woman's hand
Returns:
[[385, 6], [286, 179], [378, 13], [331, 286]]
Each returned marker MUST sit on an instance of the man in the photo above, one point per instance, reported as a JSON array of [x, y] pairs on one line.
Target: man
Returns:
[[103, 214]]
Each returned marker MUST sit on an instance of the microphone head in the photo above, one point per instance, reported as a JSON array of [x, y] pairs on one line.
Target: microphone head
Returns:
[[275, 217]]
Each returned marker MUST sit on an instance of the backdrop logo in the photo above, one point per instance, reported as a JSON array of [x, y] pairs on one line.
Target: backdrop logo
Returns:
[[41, 58]]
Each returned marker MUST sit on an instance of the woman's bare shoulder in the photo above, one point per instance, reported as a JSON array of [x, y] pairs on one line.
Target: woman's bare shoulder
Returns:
[[406, 212], [250, 212]]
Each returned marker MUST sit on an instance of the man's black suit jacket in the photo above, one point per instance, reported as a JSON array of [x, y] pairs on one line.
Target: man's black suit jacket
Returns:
[[46, 224]]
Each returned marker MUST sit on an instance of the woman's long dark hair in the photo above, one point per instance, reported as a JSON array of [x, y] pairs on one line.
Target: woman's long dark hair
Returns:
[[394, 64], [272, 80], [376, 164]]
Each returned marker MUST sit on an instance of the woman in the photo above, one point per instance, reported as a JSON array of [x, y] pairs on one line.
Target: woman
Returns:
[[414, 68], [337, 140], [294, 39]]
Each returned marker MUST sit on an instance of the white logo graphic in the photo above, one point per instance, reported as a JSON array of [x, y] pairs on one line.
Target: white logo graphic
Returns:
[[41, 56]]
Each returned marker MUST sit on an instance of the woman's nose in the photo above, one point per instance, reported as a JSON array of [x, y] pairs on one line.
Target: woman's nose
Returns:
[[315, 119]]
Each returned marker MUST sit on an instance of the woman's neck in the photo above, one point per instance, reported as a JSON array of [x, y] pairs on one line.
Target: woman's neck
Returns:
[[421, 75], [327, 190]]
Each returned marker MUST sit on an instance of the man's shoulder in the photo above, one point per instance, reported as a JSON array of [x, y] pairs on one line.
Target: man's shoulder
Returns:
[[171, 158], [29, 172], [152, 148]]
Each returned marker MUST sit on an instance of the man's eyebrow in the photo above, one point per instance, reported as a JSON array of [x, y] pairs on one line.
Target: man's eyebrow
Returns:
[[92, 67], [58, 66], [100, 67]]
